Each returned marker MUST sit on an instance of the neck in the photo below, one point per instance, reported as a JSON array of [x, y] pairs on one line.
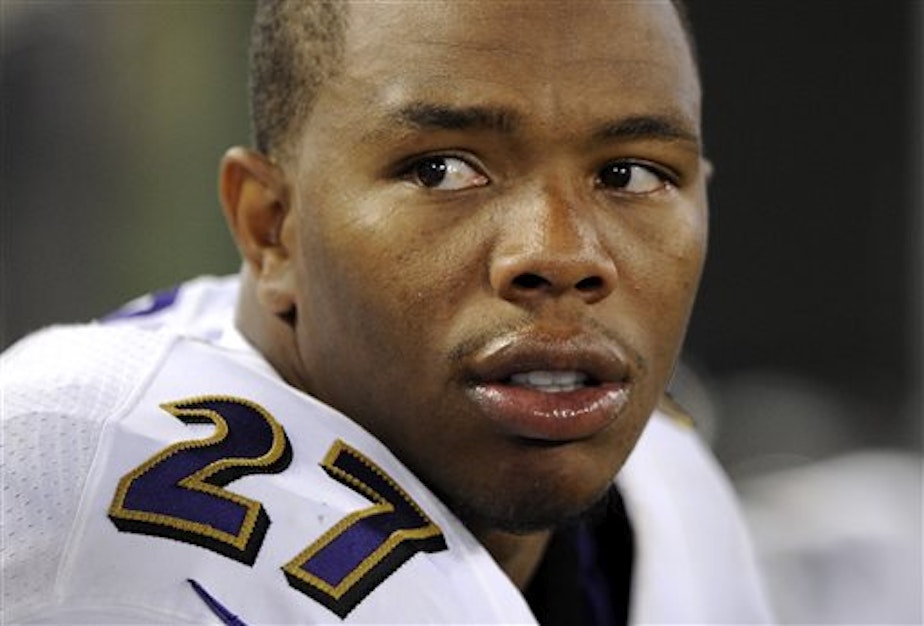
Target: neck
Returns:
[[518, 555]]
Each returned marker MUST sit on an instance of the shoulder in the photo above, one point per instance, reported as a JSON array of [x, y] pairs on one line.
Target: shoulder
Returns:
[[90, 364], [201, 307], [58, 388], [697, 562]]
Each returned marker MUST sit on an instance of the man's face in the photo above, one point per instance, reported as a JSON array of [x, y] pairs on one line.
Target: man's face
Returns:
[[500, 224]]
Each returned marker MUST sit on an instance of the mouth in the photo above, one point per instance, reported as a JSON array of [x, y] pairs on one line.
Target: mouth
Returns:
[[548, 381], [549, 389]]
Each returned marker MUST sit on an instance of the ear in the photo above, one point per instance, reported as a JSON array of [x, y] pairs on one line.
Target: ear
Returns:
[[708, 169], [255, 199]]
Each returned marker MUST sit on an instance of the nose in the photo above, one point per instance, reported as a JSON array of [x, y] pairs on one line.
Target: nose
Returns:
[[548, 252]]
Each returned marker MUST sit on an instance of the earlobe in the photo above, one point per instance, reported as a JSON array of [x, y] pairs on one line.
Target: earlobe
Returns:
[[255, 200]]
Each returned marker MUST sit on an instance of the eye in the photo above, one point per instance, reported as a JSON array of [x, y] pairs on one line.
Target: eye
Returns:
[[444, 173], [631, 178]]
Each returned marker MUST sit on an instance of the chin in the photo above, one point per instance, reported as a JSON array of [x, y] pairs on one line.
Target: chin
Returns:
[[521, 509]]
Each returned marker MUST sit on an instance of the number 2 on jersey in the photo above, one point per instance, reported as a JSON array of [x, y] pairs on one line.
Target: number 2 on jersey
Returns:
[[179, 493]]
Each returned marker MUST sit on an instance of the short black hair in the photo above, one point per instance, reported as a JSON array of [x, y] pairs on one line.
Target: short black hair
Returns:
[[297, 45]]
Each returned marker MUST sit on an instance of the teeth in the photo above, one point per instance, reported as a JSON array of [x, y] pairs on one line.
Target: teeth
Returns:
[[551, 382]]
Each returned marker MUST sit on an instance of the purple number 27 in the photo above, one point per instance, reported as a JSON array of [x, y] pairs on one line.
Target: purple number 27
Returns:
[[179, 493]]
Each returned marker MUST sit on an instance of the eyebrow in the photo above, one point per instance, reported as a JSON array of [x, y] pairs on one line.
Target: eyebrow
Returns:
[[665, 128], [427, 116]]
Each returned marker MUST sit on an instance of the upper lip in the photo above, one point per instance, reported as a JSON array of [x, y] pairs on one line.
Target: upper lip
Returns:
[[599, 358]]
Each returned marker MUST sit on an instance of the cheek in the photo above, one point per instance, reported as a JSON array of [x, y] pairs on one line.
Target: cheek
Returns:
[[434, 260], [660, 277], [388, 282], [667, 253]]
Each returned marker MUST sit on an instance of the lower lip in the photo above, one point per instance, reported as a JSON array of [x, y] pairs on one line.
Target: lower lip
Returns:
[[562, 416]]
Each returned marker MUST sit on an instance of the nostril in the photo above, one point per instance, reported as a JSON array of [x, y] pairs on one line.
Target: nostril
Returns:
[[530, 281], [591, 283]]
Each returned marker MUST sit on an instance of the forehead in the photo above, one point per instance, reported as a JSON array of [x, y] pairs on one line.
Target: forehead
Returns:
[[551, 61], [545, 27]]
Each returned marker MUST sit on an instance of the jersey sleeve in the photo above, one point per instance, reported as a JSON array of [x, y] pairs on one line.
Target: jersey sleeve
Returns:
[[57, 389]]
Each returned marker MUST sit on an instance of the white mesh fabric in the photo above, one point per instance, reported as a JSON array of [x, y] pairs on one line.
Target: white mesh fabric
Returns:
[[57, 388]]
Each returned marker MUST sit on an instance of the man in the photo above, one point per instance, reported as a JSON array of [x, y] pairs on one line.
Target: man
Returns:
[[472, 234]]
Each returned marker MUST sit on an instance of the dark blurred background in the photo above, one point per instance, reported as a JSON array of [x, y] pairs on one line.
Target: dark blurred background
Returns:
[[813, 119], [806, 345]]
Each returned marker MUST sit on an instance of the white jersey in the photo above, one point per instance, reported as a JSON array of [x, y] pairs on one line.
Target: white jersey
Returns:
[[152, 476]]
